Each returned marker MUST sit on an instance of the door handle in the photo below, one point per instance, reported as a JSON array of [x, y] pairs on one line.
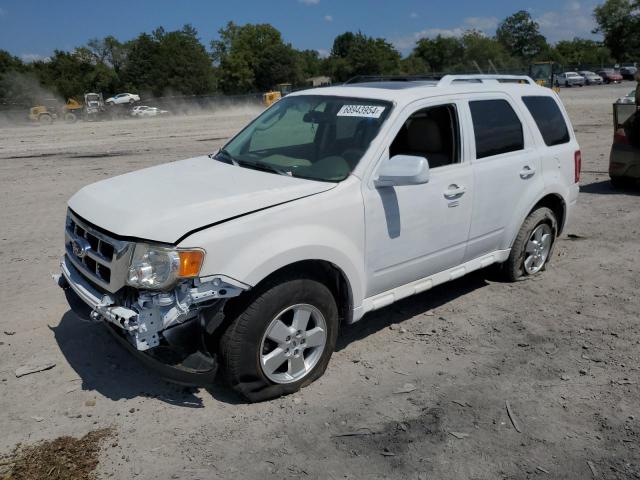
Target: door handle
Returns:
[[454, 191], [527, 172]]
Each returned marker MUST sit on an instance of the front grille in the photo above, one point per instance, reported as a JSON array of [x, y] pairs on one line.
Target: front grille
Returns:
[[101, 258]]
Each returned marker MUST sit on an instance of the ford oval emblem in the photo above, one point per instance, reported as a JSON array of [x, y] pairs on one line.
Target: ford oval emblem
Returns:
[[80, 247]]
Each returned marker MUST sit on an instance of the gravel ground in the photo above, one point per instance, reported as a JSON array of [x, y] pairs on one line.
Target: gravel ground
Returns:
[[562, 349]]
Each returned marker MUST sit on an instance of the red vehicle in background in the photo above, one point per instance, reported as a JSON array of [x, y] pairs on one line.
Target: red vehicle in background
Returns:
[[624, 160], [609, 75]]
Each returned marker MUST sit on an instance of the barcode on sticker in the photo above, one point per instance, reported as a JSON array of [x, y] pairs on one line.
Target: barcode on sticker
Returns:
[[369, 111]]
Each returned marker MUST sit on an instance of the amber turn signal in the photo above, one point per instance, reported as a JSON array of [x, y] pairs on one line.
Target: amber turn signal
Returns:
[[190, 263]]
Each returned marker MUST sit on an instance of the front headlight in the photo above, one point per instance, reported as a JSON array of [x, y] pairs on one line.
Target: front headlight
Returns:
[[158, 268]]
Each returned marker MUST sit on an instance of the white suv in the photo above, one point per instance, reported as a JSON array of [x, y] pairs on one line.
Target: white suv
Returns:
[[332, 203]]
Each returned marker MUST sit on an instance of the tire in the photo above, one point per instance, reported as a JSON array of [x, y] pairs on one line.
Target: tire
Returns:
[[70, 117], [566, 84], [515, 268], [246, 345]]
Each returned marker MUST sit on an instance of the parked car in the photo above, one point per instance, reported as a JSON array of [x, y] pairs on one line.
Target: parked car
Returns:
[[145, 111], [591, 78], [628, 98], [628, 73], [253, 257], [609, 75], [123, 98], [624, 159], [570, 79]]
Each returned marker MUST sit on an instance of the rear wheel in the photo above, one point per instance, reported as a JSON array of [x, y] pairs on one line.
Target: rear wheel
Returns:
[[45, 119], [533, 247], [281, 339]]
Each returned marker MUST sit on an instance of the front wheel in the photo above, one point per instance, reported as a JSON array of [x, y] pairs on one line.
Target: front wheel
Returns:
[[533, 246], [281, 339]]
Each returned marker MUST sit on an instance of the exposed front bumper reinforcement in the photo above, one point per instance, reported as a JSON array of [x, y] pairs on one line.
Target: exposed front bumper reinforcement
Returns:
[[181, 358]]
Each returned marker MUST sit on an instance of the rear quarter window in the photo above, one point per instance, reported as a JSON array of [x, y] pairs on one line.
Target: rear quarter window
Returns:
[[548, 118], [497, 128]]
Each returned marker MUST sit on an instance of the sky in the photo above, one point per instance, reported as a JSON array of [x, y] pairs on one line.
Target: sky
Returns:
[[32, 29]]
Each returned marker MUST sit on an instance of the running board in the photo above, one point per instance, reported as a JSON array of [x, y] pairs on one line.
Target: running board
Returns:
[[418, 286]]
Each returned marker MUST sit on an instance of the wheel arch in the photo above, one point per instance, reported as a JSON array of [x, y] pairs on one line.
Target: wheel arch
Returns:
[[329, 274], [322, 270], [557, 205]]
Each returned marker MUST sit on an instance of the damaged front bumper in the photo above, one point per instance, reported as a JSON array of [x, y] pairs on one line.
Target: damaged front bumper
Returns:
[[166, 331]]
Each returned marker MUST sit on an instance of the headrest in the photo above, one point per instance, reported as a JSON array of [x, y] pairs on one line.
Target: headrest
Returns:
[[423, 135]]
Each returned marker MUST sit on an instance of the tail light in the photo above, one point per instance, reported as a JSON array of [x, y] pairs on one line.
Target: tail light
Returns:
[[577, 163], [620, 137]]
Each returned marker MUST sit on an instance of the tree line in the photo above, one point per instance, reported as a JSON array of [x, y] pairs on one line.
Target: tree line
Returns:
[[254, 58]]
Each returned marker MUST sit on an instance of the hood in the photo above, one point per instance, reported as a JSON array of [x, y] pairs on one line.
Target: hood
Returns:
[[166, 202]]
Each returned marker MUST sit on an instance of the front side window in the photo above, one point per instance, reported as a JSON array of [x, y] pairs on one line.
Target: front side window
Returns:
[[549, 119], [309, 136], [432, 133], [497, 128]]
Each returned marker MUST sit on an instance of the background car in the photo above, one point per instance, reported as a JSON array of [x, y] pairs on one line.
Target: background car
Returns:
[[628, 73], [609, 75], [569, 79], [145, 111], [591, 78], [628, 98], [624, 159], [135, 112], [123, 98]]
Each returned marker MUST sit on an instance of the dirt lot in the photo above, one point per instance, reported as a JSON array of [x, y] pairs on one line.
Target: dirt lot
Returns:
[[562, 349]]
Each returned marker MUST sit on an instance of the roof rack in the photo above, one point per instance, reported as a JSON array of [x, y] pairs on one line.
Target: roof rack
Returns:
[[391, 78], [450, 79]]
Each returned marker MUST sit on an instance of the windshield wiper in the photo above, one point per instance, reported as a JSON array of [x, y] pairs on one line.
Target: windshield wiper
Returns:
[[265, 167], [223, 155]]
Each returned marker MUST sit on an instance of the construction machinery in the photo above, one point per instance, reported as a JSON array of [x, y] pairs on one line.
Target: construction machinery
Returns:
[[47, 113], [544, 73], [94, 107], [272, 96], [70, 112]]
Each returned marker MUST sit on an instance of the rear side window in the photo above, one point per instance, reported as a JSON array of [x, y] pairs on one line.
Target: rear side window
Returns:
[[496, 126], [548, 117]]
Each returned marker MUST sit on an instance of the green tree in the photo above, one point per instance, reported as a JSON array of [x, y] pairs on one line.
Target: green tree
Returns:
[[619, 22], [580, 51], [521, 36], [168, 62], [485, 52], [413, 65], [254, 57], [357, 54], [439, 53]]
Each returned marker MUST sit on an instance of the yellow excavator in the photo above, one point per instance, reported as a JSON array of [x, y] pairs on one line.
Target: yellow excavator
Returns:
[[46, 114], [272, 96]]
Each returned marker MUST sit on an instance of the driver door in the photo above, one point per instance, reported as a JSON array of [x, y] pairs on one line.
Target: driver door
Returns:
[[415, 231]]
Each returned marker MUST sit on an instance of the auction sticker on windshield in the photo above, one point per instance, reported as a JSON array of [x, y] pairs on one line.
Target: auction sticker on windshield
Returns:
[[368, 111]]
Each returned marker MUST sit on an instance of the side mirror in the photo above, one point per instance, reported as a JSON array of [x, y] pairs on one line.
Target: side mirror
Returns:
[[403, 170]]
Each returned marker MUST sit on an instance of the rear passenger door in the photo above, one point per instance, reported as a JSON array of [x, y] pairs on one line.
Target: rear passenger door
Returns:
[[506, 170]]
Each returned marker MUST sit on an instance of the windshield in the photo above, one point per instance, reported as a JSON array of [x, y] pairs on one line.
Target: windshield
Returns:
[[309, 136]]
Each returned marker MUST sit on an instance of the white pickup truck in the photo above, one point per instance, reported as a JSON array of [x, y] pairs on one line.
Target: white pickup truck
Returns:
[[332, 203]]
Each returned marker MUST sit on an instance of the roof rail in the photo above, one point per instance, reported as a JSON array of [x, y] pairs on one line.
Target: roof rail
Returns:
[[390, 78], [450, 79]]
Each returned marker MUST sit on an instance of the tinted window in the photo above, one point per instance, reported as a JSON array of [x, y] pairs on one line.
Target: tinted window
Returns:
[[549, 119], [432, 133], [496, 127]]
